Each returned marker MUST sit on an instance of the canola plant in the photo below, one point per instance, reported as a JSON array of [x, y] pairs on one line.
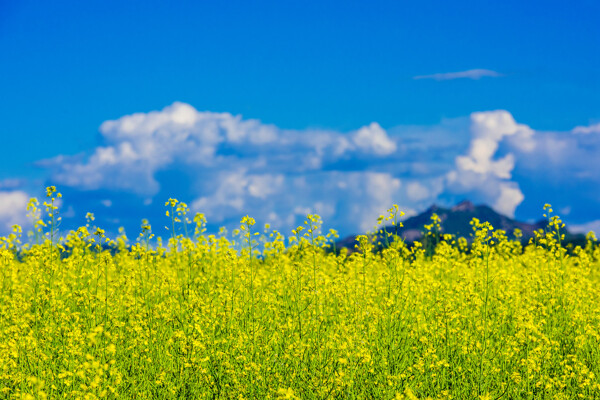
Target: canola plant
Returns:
[[261, 316]]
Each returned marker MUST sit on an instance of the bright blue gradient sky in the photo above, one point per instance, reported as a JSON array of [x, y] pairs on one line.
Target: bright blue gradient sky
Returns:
[[312, 69]]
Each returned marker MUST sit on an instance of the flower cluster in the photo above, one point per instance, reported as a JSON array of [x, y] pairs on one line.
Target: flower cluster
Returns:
[[274, 318]]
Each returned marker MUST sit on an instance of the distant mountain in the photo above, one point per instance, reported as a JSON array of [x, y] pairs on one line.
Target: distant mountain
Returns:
[[456, 221]]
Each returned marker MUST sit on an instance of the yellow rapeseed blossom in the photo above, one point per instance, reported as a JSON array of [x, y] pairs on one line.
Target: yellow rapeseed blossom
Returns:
[[265, 315]]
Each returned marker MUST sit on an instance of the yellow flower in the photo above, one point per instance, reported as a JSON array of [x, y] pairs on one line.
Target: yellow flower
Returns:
[[50, 190]]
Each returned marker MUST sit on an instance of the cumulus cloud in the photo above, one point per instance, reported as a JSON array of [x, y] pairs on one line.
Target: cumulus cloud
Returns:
[[226, 166], [352, 199], [138, 145], [474, 74], [373, 139], [417, 191], [563, 156], [509, 164], [480, 172], [509, 198], [12, 209]]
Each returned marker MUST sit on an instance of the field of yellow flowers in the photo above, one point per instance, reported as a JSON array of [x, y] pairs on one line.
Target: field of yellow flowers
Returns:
[[261, 316]]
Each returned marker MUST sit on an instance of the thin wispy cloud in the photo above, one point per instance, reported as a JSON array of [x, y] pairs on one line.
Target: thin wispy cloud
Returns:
[[474, 74]]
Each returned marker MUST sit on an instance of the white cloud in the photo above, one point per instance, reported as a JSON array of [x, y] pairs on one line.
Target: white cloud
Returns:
[[226, 166], [117, 167], [488, 129], [138, 145], [480, 172], [593, 226], [416, 191], [345, 200], [562, 156], [480, 160], [554, 166], [12, 209], [470, 74], [586, 130], [235, 192], [373, 139], [500, 124], [509, 198]]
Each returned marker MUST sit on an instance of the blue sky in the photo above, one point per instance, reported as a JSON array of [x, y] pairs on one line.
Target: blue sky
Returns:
[[340, 108]]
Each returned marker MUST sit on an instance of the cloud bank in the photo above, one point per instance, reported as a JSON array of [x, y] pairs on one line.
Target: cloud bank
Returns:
[[474, 74], [226, 166]]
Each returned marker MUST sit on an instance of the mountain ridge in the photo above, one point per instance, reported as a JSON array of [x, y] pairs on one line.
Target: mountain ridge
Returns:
[[456, 221]]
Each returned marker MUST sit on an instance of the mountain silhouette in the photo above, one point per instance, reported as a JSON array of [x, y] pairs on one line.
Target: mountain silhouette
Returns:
[[456, 221]]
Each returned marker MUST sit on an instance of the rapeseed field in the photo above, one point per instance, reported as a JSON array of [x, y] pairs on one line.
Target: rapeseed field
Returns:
[[262, 316]]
